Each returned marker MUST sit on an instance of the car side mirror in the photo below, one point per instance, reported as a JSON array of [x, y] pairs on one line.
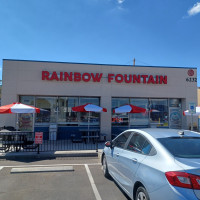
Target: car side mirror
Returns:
[[109, 144]]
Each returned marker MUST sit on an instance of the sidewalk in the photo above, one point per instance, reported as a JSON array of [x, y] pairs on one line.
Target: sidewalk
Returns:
[[52, 154]]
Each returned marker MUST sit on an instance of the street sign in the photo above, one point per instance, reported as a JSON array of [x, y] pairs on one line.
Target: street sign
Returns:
[[38, 137], [192, 108]]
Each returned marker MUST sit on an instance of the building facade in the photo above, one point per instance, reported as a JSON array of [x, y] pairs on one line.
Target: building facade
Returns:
[[165, 92]]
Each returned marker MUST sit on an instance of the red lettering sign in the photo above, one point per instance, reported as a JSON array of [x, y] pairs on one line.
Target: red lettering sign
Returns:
[[77, 77], [110, 77], [86, 77], [45, 75], [68, 77], [127, 79], [163, 79], [97, 77], [151, 80], [54, 76], [118, 78]]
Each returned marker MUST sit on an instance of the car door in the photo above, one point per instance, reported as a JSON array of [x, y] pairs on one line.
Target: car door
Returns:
[[115, 153], [130, 159]]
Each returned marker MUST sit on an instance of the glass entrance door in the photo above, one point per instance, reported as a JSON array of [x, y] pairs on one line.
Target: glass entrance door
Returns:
[[175, 118]]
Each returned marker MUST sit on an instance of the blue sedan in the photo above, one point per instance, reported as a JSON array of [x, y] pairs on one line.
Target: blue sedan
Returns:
[[155, 164]]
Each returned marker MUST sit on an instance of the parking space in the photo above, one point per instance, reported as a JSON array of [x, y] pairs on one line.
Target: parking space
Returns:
[[107, 188], [86, 182]]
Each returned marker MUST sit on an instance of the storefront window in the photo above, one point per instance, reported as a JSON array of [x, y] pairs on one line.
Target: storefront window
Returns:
[[28, 100], [174, 102], [119, 119], [49, 104], [93, 117], [139, 119], [159, 112], [60, 110], [65, 113]]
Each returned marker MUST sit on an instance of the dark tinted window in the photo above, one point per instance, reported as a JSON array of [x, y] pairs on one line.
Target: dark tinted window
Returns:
[[121, 140], [139, 144], [185, 147]]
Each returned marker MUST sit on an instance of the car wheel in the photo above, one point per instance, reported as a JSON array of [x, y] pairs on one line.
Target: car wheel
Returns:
[[105, 168], [142, 194]]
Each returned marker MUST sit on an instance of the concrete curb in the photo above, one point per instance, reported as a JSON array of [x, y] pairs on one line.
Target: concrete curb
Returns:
[[50, 155], [41, 169]]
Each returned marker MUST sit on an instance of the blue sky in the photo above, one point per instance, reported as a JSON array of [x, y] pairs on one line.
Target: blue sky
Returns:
[[154, 32]]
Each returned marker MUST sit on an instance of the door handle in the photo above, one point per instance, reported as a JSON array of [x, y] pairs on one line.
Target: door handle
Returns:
[[134, 160]]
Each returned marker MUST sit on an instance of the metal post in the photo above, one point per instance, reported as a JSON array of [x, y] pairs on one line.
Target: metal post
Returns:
[[17, 123], [88, 126], [38, 152], [192, 123], [96, 144], [33, 124]]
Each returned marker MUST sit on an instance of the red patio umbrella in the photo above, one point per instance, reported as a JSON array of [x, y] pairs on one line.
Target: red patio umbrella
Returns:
[[19, 108], [88, 108], [129, 108]]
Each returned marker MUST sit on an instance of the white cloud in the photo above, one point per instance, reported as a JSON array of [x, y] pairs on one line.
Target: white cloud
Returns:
[[120, 1], [120, 4], [194, 10]]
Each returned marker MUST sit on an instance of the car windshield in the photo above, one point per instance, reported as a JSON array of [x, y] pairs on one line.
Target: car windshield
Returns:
[[183, 147]]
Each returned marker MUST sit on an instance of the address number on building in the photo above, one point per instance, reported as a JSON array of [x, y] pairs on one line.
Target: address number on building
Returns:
[[191, 79]]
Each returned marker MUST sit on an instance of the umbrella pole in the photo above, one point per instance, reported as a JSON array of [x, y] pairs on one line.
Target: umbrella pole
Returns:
[[17, 123], [33, 128], [88, 126]]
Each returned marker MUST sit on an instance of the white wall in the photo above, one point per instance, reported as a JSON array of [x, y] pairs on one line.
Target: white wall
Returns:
[[25, 78]]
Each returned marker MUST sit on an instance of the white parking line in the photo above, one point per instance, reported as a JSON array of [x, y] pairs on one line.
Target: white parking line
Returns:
[[96, 193], [1, 168]]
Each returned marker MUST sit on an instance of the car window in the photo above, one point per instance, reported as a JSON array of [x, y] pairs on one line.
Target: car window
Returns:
[[183, 147], [146, 148], [139, 144], [120, 141]]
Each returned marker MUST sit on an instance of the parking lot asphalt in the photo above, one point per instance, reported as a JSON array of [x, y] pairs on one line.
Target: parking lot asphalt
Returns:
[[84, 182]]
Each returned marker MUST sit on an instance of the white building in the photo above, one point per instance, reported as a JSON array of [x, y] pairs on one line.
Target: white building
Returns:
[[55, 86]]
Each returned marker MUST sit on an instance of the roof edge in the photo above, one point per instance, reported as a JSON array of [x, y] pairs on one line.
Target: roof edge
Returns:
[[97, 64]]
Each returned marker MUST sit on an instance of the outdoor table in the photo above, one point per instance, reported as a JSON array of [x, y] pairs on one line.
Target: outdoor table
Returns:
[[92, 134], [17, 139]]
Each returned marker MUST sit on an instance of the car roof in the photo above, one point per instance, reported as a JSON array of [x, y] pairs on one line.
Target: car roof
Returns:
[[166, 132]]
